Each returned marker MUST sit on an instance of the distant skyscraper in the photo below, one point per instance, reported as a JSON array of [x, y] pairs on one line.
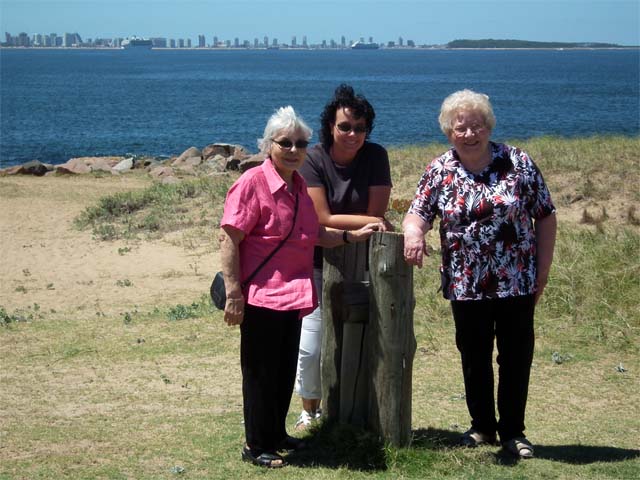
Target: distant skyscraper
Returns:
[[343, 41], [294, 41], [236, 42], [275, 42], [159, 42], [400, 41], [69, 39], [201, 41], [256, 43], [370, 39], [23, 40], [266, 41], [304, 42], [188, 43]]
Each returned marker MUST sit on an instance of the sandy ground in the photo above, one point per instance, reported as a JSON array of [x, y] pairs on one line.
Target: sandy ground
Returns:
[[45, 260]]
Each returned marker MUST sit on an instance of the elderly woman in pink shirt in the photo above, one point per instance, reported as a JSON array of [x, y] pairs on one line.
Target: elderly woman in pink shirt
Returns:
[[263, 206]]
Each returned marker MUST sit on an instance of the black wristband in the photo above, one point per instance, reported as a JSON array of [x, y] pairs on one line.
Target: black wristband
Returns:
[[344, 237]]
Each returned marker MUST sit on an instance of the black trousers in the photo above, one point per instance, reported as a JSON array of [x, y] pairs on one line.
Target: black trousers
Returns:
[[268, 356], [510, 322]]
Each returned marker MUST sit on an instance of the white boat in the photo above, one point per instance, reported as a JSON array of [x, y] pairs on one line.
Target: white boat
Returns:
[[364, 46], [136, 43]]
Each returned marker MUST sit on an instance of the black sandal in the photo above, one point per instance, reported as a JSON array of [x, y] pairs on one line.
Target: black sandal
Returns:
[[263, 459]]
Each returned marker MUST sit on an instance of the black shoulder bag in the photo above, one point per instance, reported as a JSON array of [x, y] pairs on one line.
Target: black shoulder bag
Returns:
[[217, 290]]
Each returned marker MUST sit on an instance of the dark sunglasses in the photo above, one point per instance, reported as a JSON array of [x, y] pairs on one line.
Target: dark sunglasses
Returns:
[[288, 144], [346, 127]]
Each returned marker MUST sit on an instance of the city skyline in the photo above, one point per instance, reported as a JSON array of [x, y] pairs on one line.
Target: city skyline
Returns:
[[425, 22], [75, 40], [67, 39]]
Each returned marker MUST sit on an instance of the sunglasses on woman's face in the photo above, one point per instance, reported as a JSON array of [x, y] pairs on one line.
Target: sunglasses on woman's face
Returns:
[[346, 127], [287, 144]]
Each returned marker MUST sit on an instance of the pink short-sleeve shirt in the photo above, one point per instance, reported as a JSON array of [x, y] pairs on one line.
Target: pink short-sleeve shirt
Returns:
[[260, 205]]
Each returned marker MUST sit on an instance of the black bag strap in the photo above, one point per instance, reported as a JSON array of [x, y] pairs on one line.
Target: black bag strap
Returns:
[[282, 242]]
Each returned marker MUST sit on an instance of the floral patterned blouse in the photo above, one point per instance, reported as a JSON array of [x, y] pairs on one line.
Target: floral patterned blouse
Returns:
[[486, 229]]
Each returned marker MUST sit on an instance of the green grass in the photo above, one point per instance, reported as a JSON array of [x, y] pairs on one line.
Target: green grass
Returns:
[[155, 393], [158, 209]]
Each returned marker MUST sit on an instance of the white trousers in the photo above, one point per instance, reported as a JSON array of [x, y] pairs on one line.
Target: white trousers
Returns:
[[308, 378]]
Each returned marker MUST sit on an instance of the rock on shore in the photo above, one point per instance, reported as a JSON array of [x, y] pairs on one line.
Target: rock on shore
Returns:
[[213, 159]]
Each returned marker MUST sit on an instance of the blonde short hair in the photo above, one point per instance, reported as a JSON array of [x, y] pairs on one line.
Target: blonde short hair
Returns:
[[284, 120], [465, 100]]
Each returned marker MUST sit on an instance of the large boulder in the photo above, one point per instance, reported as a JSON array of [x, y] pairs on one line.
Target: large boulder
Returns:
[[190, 157], [101, 165], [161, 172], [217, 163], [189, 153], [250, 162], [123, 166], [224, 149], [82, 165], [34, 167], [75, 166], [240, 152]]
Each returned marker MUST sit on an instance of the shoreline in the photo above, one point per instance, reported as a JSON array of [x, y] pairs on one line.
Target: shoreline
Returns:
[[8, 164], [318, 48]]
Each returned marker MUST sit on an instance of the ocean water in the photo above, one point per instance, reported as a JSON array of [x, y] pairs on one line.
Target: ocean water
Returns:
[[58, 104]]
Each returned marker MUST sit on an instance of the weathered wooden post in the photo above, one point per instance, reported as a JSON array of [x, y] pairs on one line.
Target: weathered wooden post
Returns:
[[391, 340], [345, 300], [368, 341]]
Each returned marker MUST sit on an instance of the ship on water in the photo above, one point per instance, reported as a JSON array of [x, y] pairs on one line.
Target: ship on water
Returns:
[[136, 43], [364, 46]]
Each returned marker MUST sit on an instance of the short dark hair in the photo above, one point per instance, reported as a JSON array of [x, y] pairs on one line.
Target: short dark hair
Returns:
[[344, 97]]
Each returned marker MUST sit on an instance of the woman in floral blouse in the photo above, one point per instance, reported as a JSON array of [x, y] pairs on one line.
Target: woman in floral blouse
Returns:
[[497, 234]]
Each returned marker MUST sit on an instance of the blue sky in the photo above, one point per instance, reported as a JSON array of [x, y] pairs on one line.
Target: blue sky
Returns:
[[424, 21]]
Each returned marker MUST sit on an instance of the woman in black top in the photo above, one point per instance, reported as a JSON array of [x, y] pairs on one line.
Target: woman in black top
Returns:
[[349, 181]]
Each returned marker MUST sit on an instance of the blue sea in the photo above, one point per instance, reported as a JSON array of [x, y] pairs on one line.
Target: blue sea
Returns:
[[58, 104]]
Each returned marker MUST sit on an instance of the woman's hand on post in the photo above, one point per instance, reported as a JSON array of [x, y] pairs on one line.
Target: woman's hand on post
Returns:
[[234, 310], [386, 226], [365, 232], [415, 247]]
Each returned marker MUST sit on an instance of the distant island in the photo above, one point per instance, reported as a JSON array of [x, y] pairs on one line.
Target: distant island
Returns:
[[491, 43]]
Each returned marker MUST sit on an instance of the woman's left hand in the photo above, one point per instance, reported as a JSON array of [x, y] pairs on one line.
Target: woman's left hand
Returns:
[[234, 311], [365, 232]]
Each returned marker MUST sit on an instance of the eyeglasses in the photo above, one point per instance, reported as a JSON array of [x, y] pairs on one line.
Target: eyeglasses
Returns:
[[461, 131], [287, 144], [346, 127]]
